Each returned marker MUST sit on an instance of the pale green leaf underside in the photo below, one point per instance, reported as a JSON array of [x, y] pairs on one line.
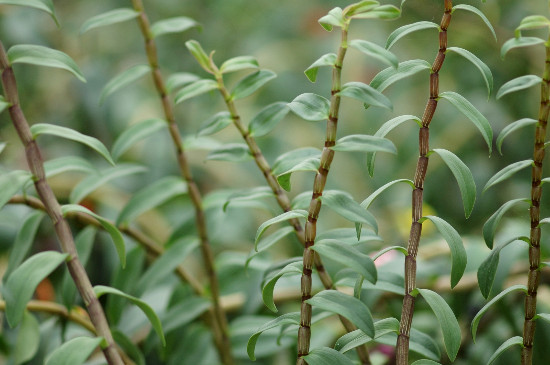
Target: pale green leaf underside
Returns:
[[343, 204], [11, 183], [407, 29], [364, 143], [335, 17], [374, 50], [368, 201], [482, 67], [506, 172], [172, 25], [514, 341], [479, 13], [360, 7], [511, 128], [425, 362], [195, 89], [294, 268], [366, 94], [246, 195], [357, 338], [383, 12], [44, 5], [267, 242], [135, 133], [202, 58], [68, 164], [180, 79], [249, 84], [109, 18], [326, 356], [74, 352], [215, 123], [28, 339], [285, 319], [328, 59], [391, 75], [239, 63], [123, 79], [311, 107], [302, 159], [519, 42], [264, 122], [532, 22], [280, 218], [401, 249], [519, 83], [232, 152], [490, 226]]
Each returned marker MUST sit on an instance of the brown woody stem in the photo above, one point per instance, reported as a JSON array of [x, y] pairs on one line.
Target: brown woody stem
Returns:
[[402, 352]]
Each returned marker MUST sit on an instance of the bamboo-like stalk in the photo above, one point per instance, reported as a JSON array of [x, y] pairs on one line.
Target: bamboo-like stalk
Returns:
[[534, 238], [402, 353], [283, 201], [219, 319], [53, 209]]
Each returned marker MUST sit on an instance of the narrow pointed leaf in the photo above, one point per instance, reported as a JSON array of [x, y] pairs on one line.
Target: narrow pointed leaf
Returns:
[[506, 172], [180, 79], [364, 143], [328, 59], [335, 17], [519, 83], [249, 84], [514, 341], [175, 317], [360, 7], [311, 107], [173, 25], [11, 183], [425, 362], [280, 218], [511, 128], [115, 234], [302, 159], [28, 339], [109, 18], [490, 226], [294, 268], [253, 194], [482, 67], [357, 338], [326, 356], [347, 306], [44, 5], [196, 88], [68, 164], [200, 143], [407, 29], [478, 13], [285, 319], [267, 242], [477, 318], [147, 310], [347, 236], [366, 94], [151, 197], [128, 346], [93, 182], [202, 58], [367, 202], [343, 204], [73, 135], [447, 321], [232, 152], [215, 124], [22, 283], [75, 351], [383, 12], [43, 56], [471, 113], [532, 22], [374, 50], [458, 253], [264, 122], [135, 133], [403, 250], [239, 63], [123, 79], [519, 42], [391, 75]]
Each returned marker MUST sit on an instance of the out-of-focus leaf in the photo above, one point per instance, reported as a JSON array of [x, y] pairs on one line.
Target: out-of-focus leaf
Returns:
[[519, 42], [506, 172], [328, 59], [202, 58], [479, 13], [66, 164], [11, 183], [44, 5], [180, 79], [403, 250], [269, 285], [482, 67], [280, 218], [233, 152], [73, 135], [43, 56], [326, 356], [285, 319], [346, 235], [302, 159], [28, 339], [175, 317], [514, 341], [264, 122], [368, 201], [335, 17], [267, 242], [357, 338], [249, 84], [407, 29], [360, 7], [75, 351], [123, 79], [383, 12], [490, 226], [532, 22], [253, 194], [425, 362], [22, 283], [311, 107], [111, 17], [374, 50], [215, 123], [519, 83], [390, 75], [239, 63], [173, 25], [511, 128], [366, 94], [343, 204], [130, 348], [3, 104], [200, 143], [364, 143], [196, 88], [135, 133]]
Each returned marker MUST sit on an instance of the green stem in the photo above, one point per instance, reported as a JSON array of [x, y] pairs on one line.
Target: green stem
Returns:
[[53, 209], [402, 351], [536, 194]]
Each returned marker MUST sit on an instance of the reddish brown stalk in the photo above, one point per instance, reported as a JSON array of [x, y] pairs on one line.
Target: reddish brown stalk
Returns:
[[534, 239], [402, 354], [53, 209]]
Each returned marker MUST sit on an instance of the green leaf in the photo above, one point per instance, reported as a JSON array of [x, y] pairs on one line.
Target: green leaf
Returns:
[[100, 290], [196, 88], [506, 172], [23, 242], [384, 12], [458, 253], [335, 17], [519, 83], [463, 177], [202, 58], [364, 143], [328, 59], [280, 218], [517, 340], [368, 201], [264, 122], [22, 283], [347, 236], [447, 321], [347, 306], [135, 133], [28, 339], [311, 107], [175, 317], [348, 256], [215, 124], [285, 319], [239, 63], [44, 5], [374, 50], [115, 234], [111, 17], [232, 152], [173, 25], [391, 75], [490, 227], [471, 113], [403, 250], [343, 204], [477, 12], [519, 42], [200, 143], [407, 29], [128, 346], [269, 284], [477, 318], [249, 84], [3, 105], [326, 356], [92, 182], [11, 183], [180, 79], [43, 56], [386, 128], [360, 7], [267, 242], [73, 135], [151, 197], [68, 164], [301, 159], [357, 338], [123, 79], [511, 128], [425, 362], [366, 94], [482, 67], [249, 195], [488, 268], [532, 22], [75, 351]]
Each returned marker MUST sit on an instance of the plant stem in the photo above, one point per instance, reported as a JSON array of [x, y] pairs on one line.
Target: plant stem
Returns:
[[402, 353], [534, 238], [219, 320], [53, 209]]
